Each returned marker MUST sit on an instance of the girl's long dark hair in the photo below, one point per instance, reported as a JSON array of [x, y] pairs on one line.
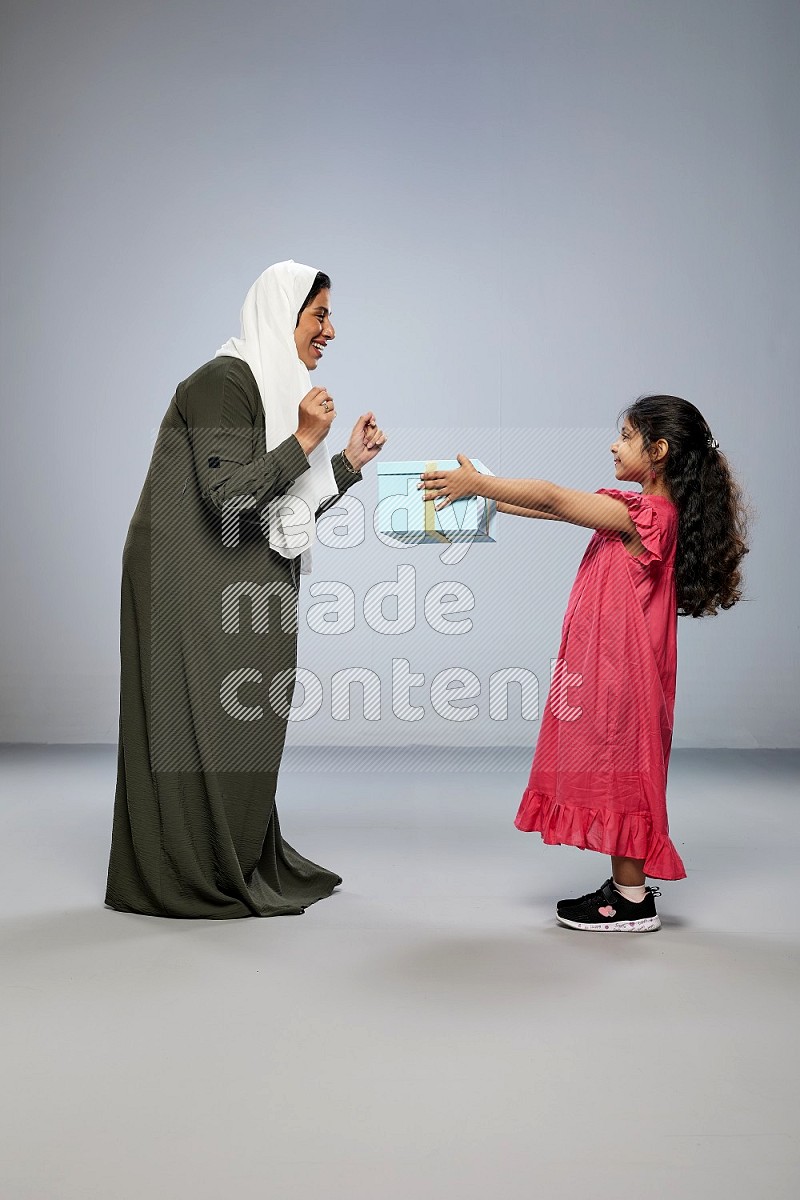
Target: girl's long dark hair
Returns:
[[712, 519]]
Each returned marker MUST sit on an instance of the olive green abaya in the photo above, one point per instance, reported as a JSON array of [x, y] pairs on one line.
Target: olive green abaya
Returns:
[[208, 653]]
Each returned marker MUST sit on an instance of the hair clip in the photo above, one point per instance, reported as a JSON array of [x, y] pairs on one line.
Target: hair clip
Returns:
[[713, 444]]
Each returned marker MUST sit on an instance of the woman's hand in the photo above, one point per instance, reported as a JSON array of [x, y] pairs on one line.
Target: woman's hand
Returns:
[[447, 486], [366, 441], [315, 416]]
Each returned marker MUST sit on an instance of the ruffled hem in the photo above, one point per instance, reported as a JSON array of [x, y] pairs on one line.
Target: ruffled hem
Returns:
[[629, 835], [644, 516]]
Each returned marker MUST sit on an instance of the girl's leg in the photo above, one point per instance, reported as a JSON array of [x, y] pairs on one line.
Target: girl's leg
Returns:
[[628, 871]]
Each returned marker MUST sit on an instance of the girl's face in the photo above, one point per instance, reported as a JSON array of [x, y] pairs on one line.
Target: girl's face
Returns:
[[314, 330], [631, 462]]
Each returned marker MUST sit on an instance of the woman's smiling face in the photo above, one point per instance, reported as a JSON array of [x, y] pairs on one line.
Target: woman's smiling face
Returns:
[[314, 330]]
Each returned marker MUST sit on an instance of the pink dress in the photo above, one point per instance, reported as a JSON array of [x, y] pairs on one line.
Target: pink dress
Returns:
[[599, 774]]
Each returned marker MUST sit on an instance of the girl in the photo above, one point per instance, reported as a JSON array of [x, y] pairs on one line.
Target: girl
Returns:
[[599, 773]]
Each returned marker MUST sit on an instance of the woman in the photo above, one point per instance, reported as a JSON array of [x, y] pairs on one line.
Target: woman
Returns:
[[223, 528]]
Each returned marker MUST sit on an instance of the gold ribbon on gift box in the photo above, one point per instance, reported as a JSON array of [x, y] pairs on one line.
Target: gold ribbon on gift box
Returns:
[[430, 513]]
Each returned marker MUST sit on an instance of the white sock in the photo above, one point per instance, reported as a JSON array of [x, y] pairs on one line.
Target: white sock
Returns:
[[635, 894]]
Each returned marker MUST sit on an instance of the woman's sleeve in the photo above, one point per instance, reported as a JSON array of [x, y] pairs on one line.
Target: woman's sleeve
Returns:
[[222, 423], [645, 518], [344, 477]]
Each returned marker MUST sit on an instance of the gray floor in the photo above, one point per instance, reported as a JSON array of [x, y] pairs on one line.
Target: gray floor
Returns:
[[428, 1031]]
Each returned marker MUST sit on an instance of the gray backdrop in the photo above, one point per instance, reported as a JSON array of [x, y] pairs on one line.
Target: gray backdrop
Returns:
[[532, 212]]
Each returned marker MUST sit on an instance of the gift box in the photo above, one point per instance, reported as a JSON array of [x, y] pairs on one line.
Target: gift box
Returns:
[[404, 516]]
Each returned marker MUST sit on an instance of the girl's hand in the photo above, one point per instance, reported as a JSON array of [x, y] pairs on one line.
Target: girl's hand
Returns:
[[447, 486], [366, 441]]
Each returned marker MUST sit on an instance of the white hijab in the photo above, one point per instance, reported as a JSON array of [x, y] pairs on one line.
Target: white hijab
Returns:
[[267, 345]]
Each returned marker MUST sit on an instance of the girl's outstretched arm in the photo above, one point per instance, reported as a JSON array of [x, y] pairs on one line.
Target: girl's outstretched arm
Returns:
[[516, 510], [559, 503]]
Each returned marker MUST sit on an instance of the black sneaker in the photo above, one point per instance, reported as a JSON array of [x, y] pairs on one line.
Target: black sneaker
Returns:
[[606, 911], [587, 899]]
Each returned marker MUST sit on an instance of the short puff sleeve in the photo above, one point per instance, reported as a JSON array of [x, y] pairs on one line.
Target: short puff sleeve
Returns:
[[644, 515]]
